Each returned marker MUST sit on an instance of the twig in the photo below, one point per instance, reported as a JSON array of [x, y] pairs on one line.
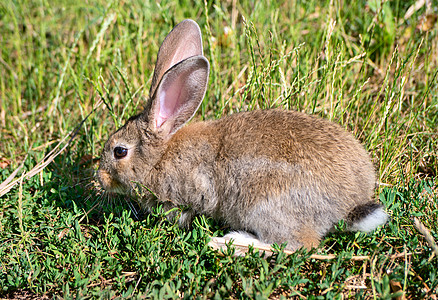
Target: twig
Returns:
[[218, 243]]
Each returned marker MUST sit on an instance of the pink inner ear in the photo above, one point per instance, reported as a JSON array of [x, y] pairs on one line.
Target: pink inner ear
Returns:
[[170, 97], [187, 50], [170, 94]]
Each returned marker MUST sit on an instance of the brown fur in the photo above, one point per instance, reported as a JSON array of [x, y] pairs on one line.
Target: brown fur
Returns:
[[308, 236]]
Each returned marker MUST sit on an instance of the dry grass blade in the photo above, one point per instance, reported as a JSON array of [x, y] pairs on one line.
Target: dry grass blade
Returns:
[[5, 183], [129, 276], [426, 233], [413, 8], [8, 184]]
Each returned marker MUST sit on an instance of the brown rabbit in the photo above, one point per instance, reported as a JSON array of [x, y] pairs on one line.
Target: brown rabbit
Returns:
[[271, 175]]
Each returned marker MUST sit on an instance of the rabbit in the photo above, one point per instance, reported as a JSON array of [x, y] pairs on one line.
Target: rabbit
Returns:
[[272, 176]]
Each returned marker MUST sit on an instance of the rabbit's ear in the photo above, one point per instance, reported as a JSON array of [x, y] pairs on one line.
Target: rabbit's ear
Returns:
[[182, 42], [178, 96]]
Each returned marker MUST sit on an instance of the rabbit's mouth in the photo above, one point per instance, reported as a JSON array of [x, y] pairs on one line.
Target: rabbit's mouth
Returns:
[[110, 184]]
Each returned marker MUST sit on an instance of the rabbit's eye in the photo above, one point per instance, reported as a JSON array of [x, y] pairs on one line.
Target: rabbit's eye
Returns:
[[120, 152]]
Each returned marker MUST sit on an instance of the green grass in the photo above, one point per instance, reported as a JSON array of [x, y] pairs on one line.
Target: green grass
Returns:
[[361, 64]]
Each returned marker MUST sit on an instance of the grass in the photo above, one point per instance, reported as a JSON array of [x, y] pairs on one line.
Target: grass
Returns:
[[368, 65]]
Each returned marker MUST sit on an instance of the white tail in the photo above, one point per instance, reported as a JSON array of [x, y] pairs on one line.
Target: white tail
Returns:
[[371, 221]]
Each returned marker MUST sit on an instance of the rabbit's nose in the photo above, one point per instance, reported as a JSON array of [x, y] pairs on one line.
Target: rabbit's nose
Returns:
[[105, 180]]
